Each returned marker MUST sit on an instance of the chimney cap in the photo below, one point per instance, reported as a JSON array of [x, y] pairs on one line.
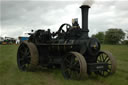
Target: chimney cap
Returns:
[[83, 6]]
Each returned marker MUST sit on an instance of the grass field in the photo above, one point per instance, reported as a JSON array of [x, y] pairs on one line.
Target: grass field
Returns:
[[10, 74]]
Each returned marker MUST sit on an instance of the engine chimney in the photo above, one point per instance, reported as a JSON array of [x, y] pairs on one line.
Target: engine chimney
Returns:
[[84, 9]]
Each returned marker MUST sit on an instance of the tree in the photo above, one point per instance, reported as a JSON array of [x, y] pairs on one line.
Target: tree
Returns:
[[100, 36], [114, 36], [125, 42]]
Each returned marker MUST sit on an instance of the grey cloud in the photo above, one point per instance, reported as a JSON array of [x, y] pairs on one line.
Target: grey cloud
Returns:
[[29, 12], [109, 15], [24, 15]]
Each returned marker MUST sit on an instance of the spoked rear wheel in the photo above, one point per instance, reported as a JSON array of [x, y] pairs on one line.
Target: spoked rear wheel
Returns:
[[106, 57], [27, 56], [74, 66]]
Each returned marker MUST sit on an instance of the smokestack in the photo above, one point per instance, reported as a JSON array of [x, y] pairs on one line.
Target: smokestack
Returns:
[[84, 10]]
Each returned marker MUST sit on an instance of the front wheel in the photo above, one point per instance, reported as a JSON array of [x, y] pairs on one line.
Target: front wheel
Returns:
[[106, 57]]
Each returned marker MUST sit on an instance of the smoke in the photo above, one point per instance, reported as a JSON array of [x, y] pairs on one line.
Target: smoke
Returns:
[[88, 2]]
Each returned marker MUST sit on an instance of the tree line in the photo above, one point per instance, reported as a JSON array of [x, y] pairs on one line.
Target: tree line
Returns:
[[111, 36]]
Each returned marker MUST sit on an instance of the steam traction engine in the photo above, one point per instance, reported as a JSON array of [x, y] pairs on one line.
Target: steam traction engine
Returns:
[[70, 49]]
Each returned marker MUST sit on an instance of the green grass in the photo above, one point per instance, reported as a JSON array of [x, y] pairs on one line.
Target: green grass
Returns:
[[10, 74]]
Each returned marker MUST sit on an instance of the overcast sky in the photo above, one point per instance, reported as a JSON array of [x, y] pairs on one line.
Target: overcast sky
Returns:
[[20, 16]]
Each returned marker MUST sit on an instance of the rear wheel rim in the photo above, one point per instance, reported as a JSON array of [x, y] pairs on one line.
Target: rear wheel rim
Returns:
[[23, 58], [74, 66], [27, 56]]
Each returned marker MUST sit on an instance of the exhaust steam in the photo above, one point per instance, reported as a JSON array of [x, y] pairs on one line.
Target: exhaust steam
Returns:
[[88, 2]]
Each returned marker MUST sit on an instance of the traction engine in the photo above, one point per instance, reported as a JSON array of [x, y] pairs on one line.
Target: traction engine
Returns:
[[70, 49]]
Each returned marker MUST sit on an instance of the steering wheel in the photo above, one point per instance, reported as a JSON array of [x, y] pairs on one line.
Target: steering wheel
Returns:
[[68, 27]]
